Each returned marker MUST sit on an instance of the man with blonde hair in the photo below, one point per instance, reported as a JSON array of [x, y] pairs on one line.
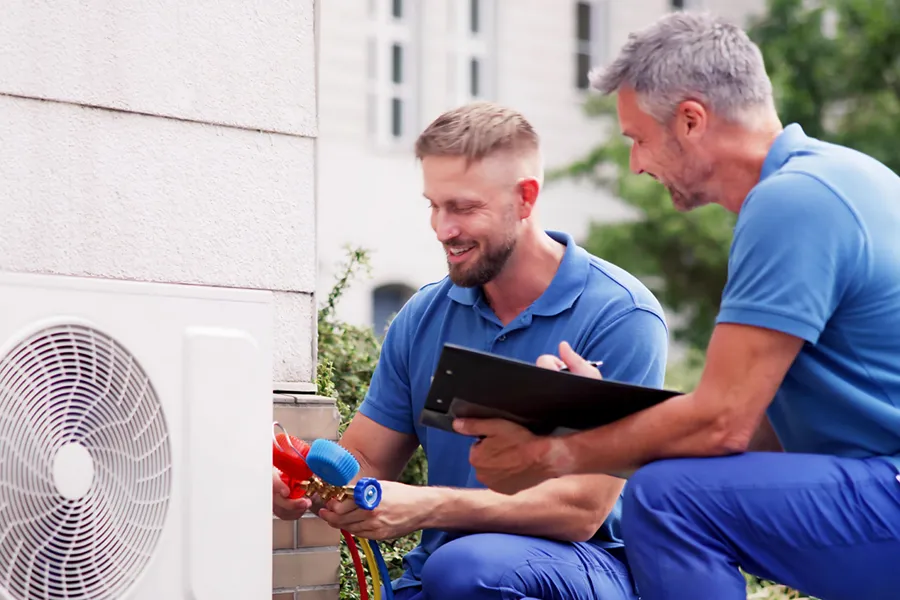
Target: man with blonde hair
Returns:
[[516, 290], [807, 342]]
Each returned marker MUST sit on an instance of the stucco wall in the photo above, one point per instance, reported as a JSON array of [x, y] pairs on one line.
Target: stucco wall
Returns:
[[165, 141]]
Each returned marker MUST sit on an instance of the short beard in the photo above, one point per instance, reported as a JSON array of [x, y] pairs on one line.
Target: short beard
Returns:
[[685, 202], [488, 267]]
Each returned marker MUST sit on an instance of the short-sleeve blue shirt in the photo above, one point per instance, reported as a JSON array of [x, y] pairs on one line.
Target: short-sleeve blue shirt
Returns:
[[602, 311], [816, 254]]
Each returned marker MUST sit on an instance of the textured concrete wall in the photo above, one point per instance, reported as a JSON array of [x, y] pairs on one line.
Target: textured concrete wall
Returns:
[[165, 141]]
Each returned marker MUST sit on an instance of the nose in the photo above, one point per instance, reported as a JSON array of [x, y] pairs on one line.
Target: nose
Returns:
[[634, 161], [444, 226]]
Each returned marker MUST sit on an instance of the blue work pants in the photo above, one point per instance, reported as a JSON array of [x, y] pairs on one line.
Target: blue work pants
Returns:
[[494, 566], [827, 526]]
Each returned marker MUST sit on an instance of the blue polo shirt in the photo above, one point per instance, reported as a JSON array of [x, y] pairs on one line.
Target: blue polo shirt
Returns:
[[602, 311], [816, 254]]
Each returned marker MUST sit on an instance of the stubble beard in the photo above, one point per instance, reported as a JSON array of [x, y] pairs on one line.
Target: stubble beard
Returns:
[[487, 267], [688, 200]]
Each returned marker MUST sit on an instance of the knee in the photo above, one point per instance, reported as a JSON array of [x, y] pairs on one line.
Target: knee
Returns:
[[649, 485], [652, 492], [464, 568]]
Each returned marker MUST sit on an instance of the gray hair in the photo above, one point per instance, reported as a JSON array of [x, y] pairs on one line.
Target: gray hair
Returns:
[[691, 56]]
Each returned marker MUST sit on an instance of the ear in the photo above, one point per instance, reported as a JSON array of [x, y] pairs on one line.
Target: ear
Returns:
[[528, 194], [692, 119]]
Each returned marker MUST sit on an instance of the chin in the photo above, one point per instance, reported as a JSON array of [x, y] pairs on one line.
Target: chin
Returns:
[[684, 204]]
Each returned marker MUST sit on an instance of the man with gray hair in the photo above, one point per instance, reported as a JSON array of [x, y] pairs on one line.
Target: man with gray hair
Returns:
[[784, 461]]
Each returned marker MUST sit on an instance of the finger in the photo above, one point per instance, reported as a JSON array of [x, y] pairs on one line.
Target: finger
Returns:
[[365, 530], [576, 363], [344, 520], [291, 510], [331, 518], [341, 508], [279, 488], [548, 361], [286, 515], [303, 503], [485, 427], [369, 533]]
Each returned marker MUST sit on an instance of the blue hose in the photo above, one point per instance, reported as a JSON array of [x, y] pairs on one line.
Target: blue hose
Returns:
[[388, 590]]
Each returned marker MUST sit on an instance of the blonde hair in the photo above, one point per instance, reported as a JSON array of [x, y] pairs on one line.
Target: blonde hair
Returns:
[[475, 131]]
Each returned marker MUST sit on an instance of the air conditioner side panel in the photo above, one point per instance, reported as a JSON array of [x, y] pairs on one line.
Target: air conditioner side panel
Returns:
[[228, 477]]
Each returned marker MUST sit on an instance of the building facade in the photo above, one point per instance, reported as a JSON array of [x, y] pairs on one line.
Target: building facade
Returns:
[[389, 67]]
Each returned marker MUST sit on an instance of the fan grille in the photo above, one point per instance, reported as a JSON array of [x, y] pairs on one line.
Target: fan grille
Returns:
[[85, 467]]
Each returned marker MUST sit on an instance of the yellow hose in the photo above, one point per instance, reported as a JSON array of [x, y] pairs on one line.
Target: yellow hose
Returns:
[[373, 567]]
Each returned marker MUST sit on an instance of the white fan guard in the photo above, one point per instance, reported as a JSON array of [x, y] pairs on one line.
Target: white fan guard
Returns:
[[85, 467]]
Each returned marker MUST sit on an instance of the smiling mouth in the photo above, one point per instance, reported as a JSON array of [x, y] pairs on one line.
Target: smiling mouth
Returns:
[[457, 252]]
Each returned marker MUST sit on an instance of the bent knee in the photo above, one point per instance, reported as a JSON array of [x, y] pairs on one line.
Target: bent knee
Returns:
[[467, 567], [654, 486]]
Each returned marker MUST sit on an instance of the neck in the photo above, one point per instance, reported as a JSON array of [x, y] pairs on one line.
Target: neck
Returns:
[[740, 161], [525, 276]]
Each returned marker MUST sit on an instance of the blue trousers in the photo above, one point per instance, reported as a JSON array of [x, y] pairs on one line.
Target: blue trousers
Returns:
[[495, 566], [827, 526]]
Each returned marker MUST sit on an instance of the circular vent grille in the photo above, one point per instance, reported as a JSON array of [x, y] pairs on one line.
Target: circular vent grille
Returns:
[[85, 467]]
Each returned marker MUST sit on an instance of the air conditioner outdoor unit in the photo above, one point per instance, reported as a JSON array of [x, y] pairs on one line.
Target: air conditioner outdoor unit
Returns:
[[135, 440]]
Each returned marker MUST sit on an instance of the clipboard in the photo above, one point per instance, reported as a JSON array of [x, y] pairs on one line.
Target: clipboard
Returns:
[[471, 383]]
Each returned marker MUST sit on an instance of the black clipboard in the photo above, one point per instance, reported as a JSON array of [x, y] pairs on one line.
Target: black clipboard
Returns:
[[470, 383]]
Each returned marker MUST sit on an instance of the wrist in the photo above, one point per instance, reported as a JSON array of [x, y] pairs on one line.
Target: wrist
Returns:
[[437, 505], [558, 456]]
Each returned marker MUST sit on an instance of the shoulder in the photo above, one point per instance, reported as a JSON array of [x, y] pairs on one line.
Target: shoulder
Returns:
[[820, 183], [426, 300], [797, 203], [435, 292], [615, 300], [618, 289]]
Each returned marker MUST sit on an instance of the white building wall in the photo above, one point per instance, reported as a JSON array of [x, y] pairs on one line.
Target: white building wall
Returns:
[[165, 141], [370, 194]]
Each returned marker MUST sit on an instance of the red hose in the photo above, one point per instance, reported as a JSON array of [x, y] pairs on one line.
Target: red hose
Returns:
[[357, 565]]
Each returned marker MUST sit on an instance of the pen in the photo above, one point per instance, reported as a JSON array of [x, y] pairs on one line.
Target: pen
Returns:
[[593, 363]]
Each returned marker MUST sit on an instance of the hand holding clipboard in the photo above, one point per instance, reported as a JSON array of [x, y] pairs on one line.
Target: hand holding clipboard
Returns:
[[472, 384]]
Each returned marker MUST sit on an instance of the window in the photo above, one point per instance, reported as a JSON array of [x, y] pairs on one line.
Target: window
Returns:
[[591, 38], [686, 4], [471, 62], [392, 66], [387, 300]]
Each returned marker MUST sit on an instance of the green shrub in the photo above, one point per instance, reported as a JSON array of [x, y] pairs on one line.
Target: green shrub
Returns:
[[347, 356]]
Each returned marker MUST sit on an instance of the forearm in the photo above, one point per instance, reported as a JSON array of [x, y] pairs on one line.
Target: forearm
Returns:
[[744, 368], [566, 508], [381, 453], [678, 427]]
